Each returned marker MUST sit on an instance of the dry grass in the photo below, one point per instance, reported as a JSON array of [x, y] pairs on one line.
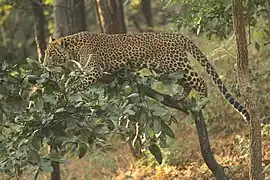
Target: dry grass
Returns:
[[227, 148]]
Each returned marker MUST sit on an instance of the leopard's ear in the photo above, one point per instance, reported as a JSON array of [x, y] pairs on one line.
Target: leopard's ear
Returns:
[[51, 39], [61, 43]]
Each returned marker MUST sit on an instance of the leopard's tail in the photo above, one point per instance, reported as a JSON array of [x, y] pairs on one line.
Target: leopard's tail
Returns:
[[201, 58]]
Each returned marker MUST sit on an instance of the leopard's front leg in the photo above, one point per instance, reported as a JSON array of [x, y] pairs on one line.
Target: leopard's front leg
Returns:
[[92, 72]]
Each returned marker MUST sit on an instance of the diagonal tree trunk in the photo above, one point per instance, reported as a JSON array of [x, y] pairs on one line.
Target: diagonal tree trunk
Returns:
[[250, 101]]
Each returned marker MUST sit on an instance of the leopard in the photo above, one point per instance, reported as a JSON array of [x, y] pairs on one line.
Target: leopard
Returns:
[[163, 52]]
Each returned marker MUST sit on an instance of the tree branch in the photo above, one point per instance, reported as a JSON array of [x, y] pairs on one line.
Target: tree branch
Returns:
[[207, 154], [217, 170]]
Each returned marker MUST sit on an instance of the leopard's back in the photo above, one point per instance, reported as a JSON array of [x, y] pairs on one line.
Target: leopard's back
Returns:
[[163, 52]]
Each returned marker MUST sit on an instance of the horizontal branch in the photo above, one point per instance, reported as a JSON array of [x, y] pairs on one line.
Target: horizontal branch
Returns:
[[165, 100]]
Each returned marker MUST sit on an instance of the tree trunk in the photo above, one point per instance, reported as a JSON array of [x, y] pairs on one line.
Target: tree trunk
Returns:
[[250, 101], [268, 13], [217, 170], [55, 175], [147, 12], [39, 28], [78, 16], [61, 27], [69, 17], [111, 16]]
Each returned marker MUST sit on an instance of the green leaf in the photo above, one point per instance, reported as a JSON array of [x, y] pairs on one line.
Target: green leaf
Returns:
[[75, 98], [4, 65], [14, 74], [159, 111], [157, 125], [113, 118], [25, 82], [54, 155], [31, 61], [41, 80], [100, 130], [150, 132], [133, 95], [50, 99], [45, 75], [159, 97], [39, 104], [257, 46], [73, 147], [266, 169], [130, 112], [46, 166], [60, 110], [143, 115], [176, 75], [36, 143], [82, 150], [3, 118], [33, 156], [110, 124], [155, 150], [167, 130]]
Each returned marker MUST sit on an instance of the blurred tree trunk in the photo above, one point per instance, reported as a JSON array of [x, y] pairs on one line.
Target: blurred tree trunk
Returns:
[[61, 20], [147, 12], [78, 20], [39, 28], [268, 10], [250, 101], [268, 13], [111, 16], [69, 17]]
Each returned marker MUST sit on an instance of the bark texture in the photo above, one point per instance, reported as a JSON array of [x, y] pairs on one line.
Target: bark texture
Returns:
[[78, 16], [246, 91], [147, 12], [69, 17], [55, 175], [39, 28], [111, 16]]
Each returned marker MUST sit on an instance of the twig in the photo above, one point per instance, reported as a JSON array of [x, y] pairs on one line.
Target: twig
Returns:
[[266, 43], [258, 75]]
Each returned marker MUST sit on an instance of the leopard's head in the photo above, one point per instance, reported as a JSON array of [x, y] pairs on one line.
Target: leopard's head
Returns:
[[56, 53]]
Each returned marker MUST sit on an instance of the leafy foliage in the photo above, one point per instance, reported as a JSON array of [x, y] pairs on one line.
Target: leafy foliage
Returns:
[[214, 17], [41, 107]]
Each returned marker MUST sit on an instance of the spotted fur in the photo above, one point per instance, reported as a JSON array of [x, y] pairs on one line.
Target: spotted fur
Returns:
[[162, 52]]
